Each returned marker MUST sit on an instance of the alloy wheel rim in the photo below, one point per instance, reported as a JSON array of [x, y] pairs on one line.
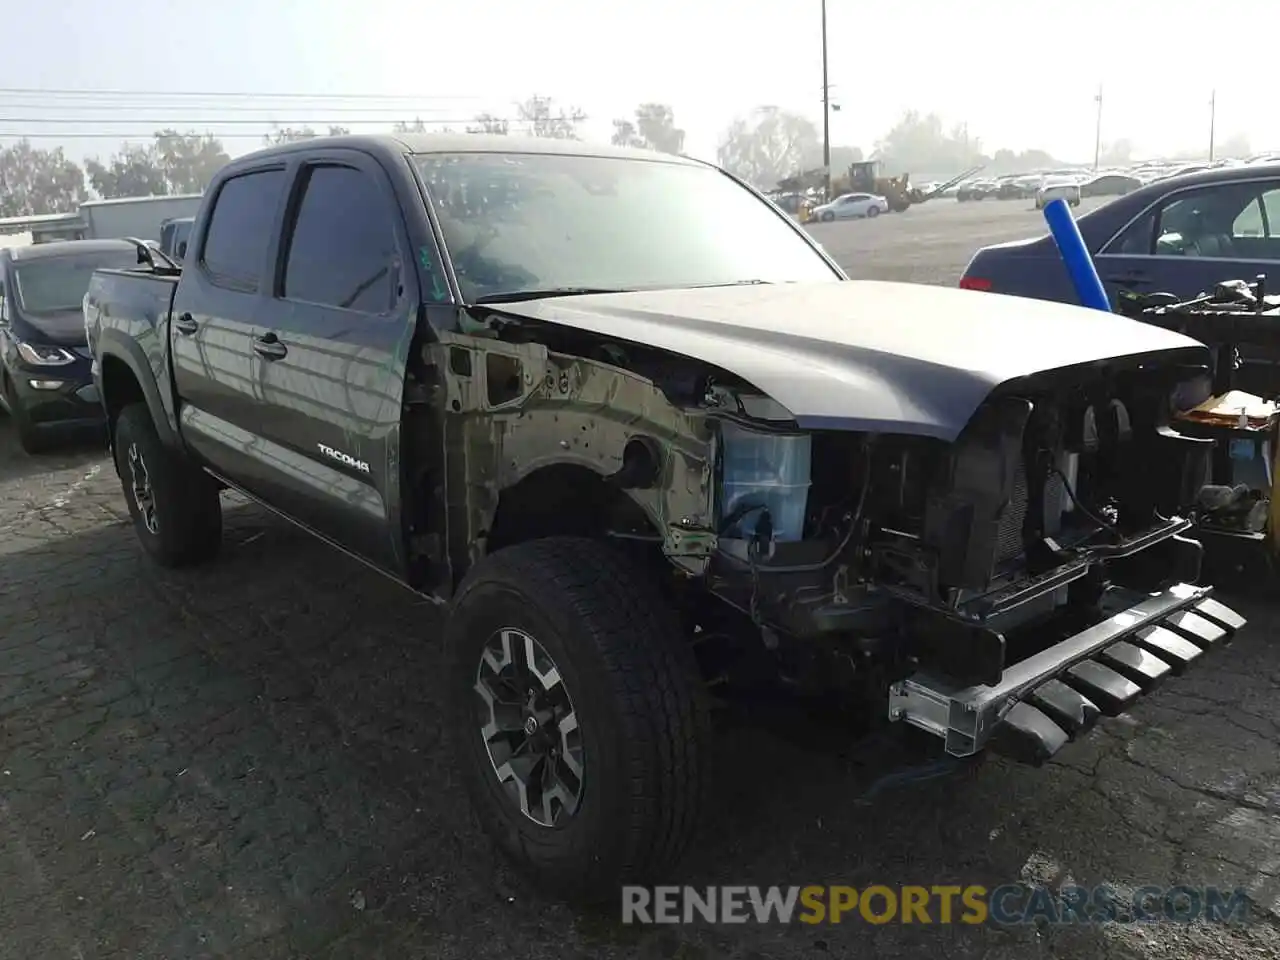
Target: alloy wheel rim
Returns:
[[529, 727], [140, 486]]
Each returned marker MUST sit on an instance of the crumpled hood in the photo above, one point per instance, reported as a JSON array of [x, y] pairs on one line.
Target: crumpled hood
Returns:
[[865, 355]]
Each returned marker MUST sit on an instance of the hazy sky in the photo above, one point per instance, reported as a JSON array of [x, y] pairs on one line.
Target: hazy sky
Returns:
[[987, 62]]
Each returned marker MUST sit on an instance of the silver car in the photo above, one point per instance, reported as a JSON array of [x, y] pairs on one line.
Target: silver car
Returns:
[[852, 206]]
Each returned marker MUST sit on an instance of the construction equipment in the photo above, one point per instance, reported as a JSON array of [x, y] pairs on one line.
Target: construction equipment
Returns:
[[865, 176]]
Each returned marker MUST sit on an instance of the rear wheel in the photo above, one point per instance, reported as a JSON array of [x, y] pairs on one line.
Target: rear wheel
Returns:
[[175, 506], [578, 719]]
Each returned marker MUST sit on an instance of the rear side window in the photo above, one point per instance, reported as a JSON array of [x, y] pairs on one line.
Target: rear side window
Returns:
[[244, 213], [342, 248]]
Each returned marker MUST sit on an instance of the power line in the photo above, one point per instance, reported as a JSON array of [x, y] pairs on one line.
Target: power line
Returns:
[[191, 130], [398, 110], [324, 122], [226, 94]]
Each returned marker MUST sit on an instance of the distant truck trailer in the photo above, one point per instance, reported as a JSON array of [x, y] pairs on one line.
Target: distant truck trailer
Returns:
[[140, 217]]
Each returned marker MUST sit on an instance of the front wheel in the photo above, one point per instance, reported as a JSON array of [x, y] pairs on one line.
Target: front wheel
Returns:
[[873, 212], [827, 216], [578, 719], [175, 507]]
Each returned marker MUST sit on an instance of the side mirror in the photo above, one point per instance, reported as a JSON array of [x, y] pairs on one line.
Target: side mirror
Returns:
[[182, 250]]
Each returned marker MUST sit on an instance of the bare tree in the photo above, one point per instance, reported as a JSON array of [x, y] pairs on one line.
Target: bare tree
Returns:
[[280, 135], [542, 118], [488, 123]]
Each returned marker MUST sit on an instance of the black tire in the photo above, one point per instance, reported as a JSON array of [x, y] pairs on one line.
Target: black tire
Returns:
[[182, 526], [873, 212], [30, 438], [827, 216], [641, 707]]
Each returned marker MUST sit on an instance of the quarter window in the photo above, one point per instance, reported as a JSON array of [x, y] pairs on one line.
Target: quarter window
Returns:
[[1261, 218], [240, 228], [342, 249]]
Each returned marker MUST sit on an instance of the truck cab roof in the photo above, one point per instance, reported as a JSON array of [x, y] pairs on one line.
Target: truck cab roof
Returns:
[[391, 145]]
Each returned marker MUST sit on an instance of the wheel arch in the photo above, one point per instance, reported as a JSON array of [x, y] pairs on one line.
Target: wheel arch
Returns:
[[125, 377]]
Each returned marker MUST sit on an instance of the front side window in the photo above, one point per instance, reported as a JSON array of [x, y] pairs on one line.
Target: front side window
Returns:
[[58, 284], [536, 222], [342, 246], [1204, 222]]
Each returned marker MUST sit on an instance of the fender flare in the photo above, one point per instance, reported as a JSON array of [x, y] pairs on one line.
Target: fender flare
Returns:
[[117, 346]]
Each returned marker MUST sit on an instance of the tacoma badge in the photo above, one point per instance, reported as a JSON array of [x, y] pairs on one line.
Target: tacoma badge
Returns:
[[341, 457]]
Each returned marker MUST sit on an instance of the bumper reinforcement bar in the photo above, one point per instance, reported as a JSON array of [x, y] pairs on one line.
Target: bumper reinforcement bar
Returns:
[[1049, 698]]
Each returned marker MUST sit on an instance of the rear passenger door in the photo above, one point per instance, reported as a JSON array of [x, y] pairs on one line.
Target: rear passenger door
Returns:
[[224, 287], [1196, 238], [330, 350]]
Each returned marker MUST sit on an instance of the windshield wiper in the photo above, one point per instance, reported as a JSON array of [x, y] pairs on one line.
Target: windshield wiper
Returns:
[[515, 296]]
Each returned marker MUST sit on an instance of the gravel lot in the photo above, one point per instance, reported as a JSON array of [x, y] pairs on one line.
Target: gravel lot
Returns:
[[930, 243], [246, 762]]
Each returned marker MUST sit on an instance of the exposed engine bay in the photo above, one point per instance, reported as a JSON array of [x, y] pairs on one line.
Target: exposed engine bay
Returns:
[[1053, 485], [857, 559], [1053, 492]]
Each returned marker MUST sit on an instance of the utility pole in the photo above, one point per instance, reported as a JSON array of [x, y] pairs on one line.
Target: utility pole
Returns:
[[1097, 134], [826, 104], [1213, 111]]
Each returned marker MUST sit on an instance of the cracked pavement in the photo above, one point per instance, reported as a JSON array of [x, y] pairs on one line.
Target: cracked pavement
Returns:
[[246, 761]]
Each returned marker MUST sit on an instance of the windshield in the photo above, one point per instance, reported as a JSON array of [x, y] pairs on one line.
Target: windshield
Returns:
[[537, 222], [58, 284]]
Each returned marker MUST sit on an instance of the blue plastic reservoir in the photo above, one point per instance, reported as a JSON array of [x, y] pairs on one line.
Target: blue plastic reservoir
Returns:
[[766, 471]]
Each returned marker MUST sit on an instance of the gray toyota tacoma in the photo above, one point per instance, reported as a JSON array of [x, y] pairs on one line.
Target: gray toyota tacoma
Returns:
[[627, 423]]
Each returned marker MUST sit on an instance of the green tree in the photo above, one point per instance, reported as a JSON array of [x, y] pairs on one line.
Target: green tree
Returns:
[[921, 145], [172, 163], [35, 181], [653, 128], [768, 145]]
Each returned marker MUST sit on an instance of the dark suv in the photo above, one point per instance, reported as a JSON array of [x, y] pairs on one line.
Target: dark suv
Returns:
[[45, 376]]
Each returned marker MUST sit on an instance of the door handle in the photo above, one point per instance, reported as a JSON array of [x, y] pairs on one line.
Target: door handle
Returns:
[[186, 324], [269, 347]]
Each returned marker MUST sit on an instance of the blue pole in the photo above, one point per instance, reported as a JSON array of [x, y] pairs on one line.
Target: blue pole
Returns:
[[1075, 255]]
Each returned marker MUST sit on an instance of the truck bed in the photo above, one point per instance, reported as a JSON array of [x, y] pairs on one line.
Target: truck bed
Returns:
[[131, 309]]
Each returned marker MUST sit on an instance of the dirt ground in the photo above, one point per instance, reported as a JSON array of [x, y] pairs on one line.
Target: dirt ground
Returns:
[[247, 762]]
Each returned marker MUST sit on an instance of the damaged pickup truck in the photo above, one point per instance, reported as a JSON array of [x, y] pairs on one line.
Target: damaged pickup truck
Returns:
[[623, 419]]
